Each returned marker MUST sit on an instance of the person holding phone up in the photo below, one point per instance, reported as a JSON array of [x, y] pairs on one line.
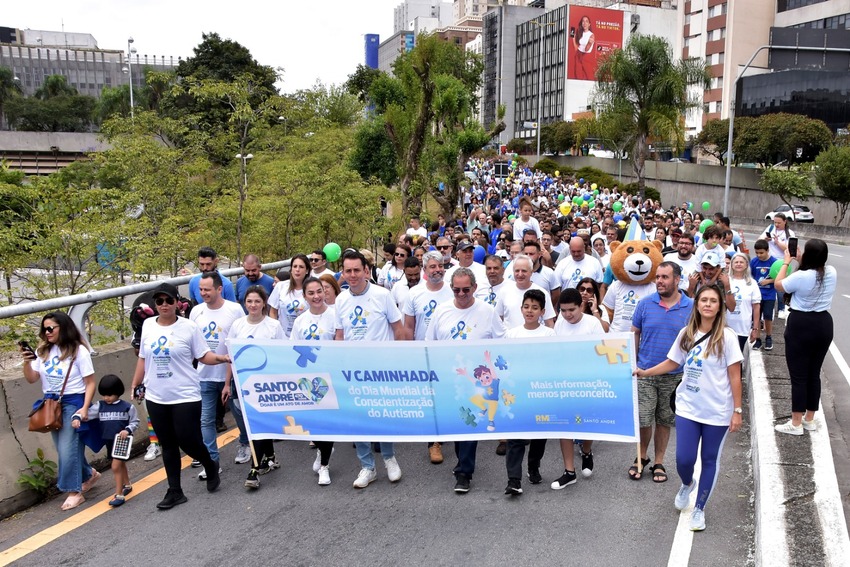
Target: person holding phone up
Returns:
[[809, 330]]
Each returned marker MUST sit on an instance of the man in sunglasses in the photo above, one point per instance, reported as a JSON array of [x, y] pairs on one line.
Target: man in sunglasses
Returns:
[[318, 264], [465, 259], [208, 262], [464, 318], [445, 247]]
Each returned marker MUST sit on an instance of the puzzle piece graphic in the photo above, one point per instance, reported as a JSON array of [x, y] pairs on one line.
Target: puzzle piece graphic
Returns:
[[293, 428], [578, 419], [508, 398], [467, 417], [308, 354], [613, 349], [501, 363]]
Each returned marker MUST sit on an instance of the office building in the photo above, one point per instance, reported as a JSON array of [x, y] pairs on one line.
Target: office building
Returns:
[[409, 10], [390, 49], [371, 43]]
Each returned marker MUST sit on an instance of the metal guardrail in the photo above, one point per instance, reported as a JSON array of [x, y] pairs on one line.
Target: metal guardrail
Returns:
[[81, 304]]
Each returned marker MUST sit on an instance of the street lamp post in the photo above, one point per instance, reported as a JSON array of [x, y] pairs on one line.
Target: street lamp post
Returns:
[[130, 51], [243, 194]]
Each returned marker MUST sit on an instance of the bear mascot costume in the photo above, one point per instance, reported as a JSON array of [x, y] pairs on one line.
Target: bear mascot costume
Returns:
[[634, 263]]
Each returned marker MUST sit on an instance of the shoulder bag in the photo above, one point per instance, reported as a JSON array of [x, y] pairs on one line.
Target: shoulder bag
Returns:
[[46, 415]]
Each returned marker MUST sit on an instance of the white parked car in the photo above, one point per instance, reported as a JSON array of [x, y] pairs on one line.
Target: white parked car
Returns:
[[800, 213]]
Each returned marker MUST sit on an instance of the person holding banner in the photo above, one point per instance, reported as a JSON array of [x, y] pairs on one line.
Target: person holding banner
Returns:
[[708, 400], [255, 325], [366, 312], [317, 324], [465, 318]]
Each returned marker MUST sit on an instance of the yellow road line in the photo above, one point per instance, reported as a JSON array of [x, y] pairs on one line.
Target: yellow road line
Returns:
[[86, 515]]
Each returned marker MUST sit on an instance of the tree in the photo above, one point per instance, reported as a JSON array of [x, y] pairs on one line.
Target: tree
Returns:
[[517, 146], [360, 82], [644, 83], [832, 176], [373, 155], [9, 88], [558, 137], [786, 184], [55, 107], [774, 138], [713, 139]]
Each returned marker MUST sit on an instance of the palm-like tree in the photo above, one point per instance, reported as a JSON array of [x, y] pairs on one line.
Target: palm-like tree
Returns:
[[651, 91]]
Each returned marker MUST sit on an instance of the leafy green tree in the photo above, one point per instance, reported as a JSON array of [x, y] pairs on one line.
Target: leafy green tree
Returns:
[[786, 184], [558, 137], [832, 176], [373, 155], [9, 88], [55, 107], [713, 139], [360, 82], [517, 146], [643, 82], [774, 138]]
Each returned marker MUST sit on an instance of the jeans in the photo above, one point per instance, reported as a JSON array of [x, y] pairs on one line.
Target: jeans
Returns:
[[367, 459], [74, 470], [236, 410], [465, 451], [210, 392], [516, 451], [178, 427]]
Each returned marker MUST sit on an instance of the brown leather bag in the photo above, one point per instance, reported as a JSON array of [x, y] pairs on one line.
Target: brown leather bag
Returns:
[[46, 416]]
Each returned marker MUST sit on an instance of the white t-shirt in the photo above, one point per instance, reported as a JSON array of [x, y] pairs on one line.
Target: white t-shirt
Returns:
[[289, 305], [588, 325], [215, 327], [702, 250], [478, 269], [570, 272], [476, 322], [781, 235], [522, 333], [268, 328], [509, 305], [388, 275], [705, 395], [366, 317], [400, 291], [313, 273], [422, 303], [489, 293], [808, 295], [53, 371], [310, 327], [421, 231], [623, 299], [520, 226], [688, 266], [168, 352], [741, 319]]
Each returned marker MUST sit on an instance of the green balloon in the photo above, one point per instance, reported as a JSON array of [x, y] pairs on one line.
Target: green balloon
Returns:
[[591, 204], [704, 225], [774, 269], [595, 192], [332, 251], [560, 197], [617, 206], [511, 217], [706, 205]]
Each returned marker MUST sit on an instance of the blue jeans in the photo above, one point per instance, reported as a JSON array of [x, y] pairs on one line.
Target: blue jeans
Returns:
[[367, 459], [236, 410], [465, 451], [74, 470], [210, 392]]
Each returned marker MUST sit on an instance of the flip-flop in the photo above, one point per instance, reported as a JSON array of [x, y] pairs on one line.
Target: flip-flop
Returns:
[[662, 473], [633, 470], [73, 500]]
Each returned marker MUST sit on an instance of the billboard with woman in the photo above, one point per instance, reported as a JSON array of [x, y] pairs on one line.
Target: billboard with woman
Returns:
[[594, 33]]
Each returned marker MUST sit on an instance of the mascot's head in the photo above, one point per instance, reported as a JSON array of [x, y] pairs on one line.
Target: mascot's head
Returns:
[[635, 261]]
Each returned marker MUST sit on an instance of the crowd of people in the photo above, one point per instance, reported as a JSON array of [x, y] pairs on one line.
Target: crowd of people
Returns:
[[526, 257]]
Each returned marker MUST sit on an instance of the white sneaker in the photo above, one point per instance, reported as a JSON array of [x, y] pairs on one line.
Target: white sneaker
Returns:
[[317, 464], [393, 470], [810, 425], [243, 454], [783, 314], [153, 452], [697, 520], [681, 501], [203, 474], [789, 428], [325, 476], [365, 478]]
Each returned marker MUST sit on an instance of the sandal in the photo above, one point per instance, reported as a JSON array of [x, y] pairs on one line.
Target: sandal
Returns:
[[634, 474], [74, 499], [659, 473]]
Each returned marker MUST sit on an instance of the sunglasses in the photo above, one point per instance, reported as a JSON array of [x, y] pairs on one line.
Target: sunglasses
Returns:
[[463, 290], [49, 329], [314, 260], [443, 247], [402, 255], [587, 289], [161, 300]]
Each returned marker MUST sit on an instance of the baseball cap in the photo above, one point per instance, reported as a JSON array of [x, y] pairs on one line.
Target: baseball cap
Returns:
[[168, 289], [465, 245], [712, 259]]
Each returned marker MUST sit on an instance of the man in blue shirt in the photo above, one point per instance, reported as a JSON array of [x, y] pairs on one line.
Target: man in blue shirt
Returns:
[[253, 276], [656, 323], [208, 262]]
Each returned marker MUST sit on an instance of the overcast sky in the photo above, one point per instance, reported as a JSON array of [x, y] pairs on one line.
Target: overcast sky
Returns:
[[312, 39]]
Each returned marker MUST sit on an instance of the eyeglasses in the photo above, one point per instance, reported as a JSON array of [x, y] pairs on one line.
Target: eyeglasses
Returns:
[[50, 329], [585, 289], [443, 247], [463, 290], [402, 255], [314, 260], [161, 300]]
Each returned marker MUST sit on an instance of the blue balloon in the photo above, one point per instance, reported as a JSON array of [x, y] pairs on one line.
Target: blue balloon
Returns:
[[586, 196], [478, 254], [581, 180], [618, 218]]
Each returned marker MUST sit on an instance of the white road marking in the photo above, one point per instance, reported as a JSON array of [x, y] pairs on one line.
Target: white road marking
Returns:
[[836, 255], [839, 359], [845, 295], [680, 551]]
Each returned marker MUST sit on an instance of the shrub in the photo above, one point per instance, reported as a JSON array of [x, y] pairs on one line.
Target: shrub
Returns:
[[517, 145], [547, 166], [650, 192], [593, 175]]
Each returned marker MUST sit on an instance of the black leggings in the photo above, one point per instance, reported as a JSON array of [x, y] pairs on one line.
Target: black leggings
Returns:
[[178, 426], [325, 448], [807, 338]]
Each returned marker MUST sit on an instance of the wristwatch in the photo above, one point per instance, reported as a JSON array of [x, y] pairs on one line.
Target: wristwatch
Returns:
[[739, 410]]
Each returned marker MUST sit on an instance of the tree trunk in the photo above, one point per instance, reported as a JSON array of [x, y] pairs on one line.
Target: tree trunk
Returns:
[[840, 212], [639, 163]]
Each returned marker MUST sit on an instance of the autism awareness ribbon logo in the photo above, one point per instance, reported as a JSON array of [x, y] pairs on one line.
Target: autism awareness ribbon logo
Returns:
[[459, 332], [357, 317], [293, 307], [577, 275], [693, 356], [159, 346], [52, 367], [429, 309], [312, 333], [737, 293], [211, 332], [245, 363], [491, 298], [630, 298]]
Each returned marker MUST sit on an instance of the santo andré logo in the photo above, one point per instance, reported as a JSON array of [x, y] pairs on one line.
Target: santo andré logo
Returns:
[[278, 392]]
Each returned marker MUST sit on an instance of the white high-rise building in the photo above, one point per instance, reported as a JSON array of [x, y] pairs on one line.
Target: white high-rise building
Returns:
[[406, 12]]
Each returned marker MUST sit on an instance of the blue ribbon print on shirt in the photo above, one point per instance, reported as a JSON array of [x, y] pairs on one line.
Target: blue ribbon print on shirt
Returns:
[[429, 309], [693, 357], [491, 299], [357, 317], [459, 332], [629, 299], [52, 366], [159, 346], [293, 307], [577, 275], [312, 333], [211, 332]]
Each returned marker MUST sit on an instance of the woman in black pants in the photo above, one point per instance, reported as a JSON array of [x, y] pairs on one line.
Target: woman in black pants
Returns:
[[173, 391], [808, 331]]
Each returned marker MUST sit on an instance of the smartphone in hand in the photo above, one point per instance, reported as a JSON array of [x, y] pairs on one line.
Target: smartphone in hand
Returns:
[[26, 348], [792, 247]]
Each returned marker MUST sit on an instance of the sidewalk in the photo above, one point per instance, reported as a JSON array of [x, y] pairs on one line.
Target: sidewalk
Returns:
[[799, 511]]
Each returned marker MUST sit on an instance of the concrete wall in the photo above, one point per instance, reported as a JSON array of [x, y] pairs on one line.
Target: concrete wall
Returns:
[[18, 445]]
